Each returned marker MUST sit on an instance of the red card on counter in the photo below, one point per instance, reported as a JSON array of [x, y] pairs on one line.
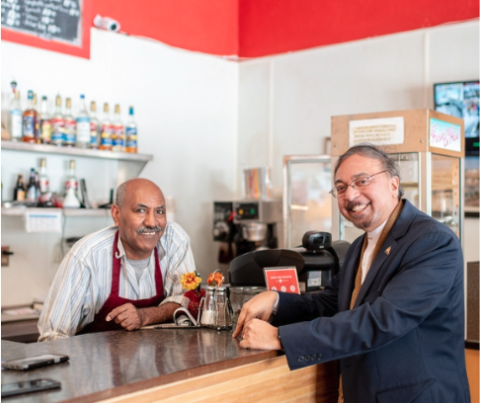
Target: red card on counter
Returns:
[[283, 279]]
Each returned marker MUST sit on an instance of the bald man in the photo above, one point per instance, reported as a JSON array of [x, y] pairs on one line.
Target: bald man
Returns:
[[124, 276]]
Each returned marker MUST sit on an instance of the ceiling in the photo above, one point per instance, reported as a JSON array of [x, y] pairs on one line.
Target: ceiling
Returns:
[[254, 28]]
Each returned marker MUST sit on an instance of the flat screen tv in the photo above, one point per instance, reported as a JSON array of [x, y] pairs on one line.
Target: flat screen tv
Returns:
[[461, 99]]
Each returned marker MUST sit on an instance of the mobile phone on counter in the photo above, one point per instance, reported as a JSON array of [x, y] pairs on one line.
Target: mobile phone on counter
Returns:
[[23, 364], [35, 385]]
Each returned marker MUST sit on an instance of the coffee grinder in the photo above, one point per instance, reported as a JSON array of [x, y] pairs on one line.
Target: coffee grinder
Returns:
[[245, 226]]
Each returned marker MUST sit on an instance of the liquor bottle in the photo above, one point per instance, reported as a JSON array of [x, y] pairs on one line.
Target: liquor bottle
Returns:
[[131, 133], [69, 125], [71, 181], [31, 195], [37, 123], [43, 178], [118, 135], [16, 125], [45, 123], [30, 119], [94, 126], [106, 131], [19, 191], [58, 123], [83, 125]]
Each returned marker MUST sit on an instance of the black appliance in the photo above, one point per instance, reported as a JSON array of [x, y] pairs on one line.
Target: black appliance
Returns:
[[316, 261]]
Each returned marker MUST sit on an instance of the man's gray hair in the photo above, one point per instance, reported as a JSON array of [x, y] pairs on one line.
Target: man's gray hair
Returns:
[[370, 151], [120, 194]]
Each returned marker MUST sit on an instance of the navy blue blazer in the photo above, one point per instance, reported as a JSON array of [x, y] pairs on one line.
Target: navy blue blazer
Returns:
[[404, 339]]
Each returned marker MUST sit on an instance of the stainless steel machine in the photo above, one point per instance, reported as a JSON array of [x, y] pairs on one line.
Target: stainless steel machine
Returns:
[[244, 226]]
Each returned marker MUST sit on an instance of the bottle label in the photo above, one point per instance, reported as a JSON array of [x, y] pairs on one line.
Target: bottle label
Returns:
[[20, 195], [43, 183], [69, 131], [28, 126], [57, 130], [16, 120], [83, 129], [71, 183], [46, 130], [106, 136], [93, 133], [118, 136], [31, 193]]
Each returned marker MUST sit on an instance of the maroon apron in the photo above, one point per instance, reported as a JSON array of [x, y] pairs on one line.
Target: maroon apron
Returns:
[[113, 301]]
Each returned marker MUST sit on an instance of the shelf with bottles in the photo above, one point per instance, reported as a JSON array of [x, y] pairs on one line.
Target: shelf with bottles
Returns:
[[64, 128]]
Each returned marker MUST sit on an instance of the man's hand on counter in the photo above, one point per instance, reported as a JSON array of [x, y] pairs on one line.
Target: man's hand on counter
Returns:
[[259, 307], [252, 323], [131, 318], [260, 335]]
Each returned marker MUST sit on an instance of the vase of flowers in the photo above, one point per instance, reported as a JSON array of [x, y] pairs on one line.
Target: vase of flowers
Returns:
[[192, 283]]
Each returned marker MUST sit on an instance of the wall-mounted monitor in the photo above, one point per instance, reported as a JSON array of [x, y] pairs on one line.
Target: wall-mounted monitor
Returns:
[[461, 99]]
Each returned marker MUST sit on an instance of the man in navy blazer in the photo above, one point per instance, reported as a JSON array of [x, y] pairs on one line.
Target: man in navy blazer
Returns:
[[400, 337]]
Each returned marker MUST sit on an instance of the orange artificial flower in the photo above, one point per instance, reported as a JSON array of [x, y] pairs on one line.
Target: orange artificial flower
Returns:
[[215, 278], [190, 281]]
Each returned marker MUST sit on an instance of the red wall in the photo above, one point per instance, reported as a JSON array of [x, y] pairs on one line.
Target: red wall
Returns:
[[253, 28]]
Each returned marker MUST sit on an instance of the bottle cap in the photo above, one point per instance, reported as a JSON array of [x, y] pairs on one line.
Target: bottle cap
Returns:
[[82, 96], [130, 111], [30, 94], [44, 98]]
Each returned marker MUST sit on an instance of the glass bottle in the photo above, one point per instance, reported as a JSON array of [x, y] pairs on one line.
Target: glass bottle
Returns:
[[94, 126], [118, 135], [37, 123], [30, 120], [31, 194], [131, 133], [71, 181], [106, 130], [19, 191], [15, 123], [43, 181], [83, 125], [58, 123], [45, 122], [69, 135]]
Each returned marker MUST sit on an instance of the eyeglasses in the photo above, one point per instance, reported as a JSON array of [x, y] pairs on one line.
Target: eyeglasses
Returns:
[[361, 182]]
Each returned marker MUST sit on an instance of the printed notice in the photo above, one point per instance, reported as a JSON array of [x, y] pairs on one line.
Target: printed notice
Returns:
[[376, 131], [283, 279], [445, 135], [48, 220]]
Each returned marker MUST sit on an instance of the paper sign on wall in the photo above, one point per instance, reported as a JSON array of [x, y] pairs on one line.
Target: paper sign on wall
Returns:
[[283, 279], [376, 131], [43, 221], [445, 135]]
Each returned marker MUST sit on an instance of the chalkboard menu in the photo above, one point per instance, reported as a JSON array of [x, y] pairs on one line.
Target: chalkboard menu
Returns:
[[58, 20]]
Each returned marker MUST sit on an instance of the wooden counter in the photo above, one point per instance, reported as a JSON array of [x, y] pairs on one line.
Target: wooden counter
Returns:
[[168, 365]]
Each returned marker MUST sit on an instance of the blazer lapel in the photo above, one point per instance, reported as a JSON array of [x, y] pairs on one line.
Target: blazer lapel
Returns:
[[388, 247]]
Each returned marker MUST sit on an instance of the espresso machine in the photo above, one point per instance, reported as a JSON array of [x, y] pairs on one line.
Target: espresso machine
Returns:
[[245, 226]]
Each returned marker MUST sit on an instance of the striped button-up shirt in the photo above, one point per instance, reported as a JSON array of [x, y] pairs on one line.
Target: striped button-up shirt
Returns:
[[83, 281]]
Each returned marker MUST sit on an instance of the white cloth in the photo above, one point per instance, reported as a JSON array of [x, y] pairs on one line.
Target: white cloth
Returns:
[[372, 238], [83, 281]]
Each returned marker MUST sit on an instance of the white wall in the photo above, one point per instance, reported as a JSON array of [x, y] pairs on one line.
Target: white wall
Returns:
[[205, 118]]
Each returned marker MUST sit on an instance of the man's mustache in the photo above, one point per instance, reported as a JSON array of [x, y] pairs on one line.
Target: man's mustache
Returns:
[[142, 230]]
